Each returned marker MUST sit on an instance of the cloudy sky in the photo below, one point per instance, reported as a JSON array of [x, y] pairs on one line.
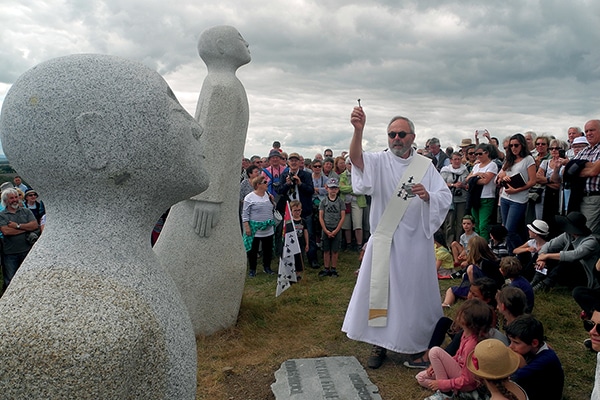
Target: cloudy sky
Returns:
[[451, 66]]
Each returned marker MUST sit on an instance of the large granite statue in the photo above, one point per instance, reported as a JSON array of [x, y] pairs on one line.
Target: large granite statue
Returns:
[[200, 243], [91, 314]]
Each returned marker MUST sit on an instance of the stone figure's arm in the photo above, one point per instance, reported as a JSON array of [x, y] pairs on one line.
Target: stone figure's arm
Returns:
[[206, 216]]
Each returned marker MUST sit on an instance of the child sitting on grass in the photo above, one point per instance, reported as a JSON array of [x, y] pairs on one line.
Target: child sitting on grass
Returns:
[[540, 372], [444, 263], [332, 211], [498, 241], [481, 262], [511, 267], [459, 249], [511, 303], [449, 374]]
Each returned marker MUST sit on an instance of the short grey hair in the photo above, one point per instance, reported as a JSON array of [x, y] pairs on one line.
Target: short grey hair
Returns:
[[6, 193], [408, 121]]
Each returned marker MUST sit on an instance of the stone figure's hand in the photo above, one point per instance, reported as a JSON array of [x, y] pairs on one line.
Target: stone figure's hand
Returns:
[[206, 217]]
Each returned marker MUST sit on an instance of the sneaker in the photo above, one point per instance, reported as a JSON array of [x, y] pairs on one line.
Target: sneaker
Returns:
[[377, 356], [438, 396], [269, 271], [444, 276], [333, 273], [325, 272], [315, 265], [416, 364], [540, 287], [252, 273]]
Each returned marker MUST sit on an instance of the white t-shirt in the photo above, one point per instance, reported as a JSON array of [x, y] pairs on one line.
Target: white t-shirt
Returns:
[[489, 189], [519, 167]]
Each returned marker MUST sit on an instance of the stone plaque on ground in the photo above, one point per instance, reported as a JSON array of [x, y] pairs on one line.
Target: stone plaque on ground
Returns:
[[323, 378]]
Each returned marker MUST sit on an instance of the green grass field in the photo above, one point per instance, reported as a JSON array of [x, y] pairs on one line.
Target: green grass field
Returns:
[[305, 322]]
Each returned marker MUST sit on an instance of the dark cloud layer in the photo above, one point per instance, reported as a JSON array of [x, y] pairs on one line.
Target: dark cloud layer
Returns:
[[452, 67]]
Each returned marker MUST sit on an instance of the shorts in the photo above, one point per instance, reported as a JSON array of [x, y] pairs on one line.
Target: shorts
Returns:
[[354, 219], [331, 244]]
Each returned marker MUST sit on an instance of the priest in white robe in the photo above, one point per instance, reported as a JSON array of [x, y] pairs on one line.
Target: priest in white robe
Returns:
[[413, 305]]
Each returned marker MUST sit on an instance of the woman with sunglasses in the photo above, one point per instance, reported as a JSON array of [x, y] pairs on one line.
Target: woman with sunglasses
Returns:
[[548, 207], [518, 174], [485, 171], [258, 223]]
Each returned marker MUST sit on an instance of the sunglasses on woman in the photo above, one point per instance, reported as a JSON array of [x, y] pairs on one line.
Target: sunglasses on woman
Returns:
[[590, 325]]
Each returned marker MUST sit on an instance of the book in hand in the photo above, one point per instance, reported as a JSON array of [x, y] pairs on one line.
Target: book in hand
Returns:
[[516, 181]]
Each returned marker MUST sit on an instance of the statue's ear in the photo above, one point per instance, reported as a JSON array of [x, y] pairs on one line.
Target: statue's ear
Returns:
[[93, 138], [221, 46]]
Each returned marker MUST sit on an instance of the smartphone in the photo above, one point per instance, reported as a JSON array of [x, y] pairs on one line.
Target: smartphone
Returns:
[[480, 131], [562, 154]]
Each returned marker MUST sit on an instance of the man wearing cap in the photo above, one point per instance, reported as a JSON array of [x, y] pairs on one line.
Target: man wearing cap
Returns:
[[573, 133], [395, 304], [274, 172], [298, 185], [590, 203], [569, 257]]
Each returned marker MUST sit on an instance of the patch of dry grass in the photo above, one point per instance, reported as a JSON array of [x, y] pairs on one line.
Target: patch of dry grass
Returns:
[[305, 322]]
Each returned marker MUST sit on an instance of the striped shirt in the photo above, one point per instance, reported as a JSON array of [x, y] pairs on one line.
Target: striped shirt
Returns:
[[259, 209], [591, 153]]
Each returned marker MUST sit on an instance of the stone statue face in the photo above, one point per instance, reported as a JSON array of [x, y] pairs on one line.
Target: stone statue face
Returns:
[[223, 45], [118, 131]]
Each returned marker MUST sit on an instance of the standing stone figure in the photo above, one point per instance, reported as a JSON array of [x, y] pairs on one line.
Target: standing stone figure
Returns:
[[91, 314], [200, 243]]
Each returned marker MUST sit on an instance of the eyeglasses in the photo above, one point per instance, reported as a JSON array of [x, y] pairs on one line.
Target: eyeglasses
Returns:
[[541, 144], [401, 134], [32, 195], [317, 166], [479, 154], [264, 183], [588, 325], [471, 153], [513, 145], [553, 148]]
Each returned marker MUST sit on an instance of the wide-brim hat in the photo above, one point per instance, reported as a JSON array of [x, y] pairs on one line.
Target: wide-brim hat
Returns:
[[294, 155], [540, 227], [581, 140], [465, 142], [574, 223], [492, 359]]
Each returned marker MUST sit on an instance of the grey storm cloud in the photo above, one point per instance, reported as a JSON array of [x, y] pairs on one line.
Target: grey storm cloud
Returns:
[[450, 66]]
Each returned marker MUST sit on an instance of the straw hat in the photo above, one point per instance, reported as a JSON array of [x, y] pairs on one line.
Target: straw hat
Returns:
[[492, 359], [465, 143]]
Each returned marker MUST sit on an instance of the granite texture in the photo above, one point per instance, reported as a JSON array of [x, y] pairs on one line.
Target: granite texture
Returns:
[[91, 313], [200, 243], [323, 378]]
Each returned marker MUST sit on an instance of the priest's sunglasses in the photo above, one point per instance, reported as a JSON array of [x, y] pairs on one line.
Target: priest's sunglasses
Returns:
[[401, 134]]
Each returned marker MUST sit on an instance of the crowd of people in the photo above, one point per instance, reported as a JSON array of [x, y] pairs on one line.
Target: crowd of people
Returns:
[[22, 219], [523, 216]]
